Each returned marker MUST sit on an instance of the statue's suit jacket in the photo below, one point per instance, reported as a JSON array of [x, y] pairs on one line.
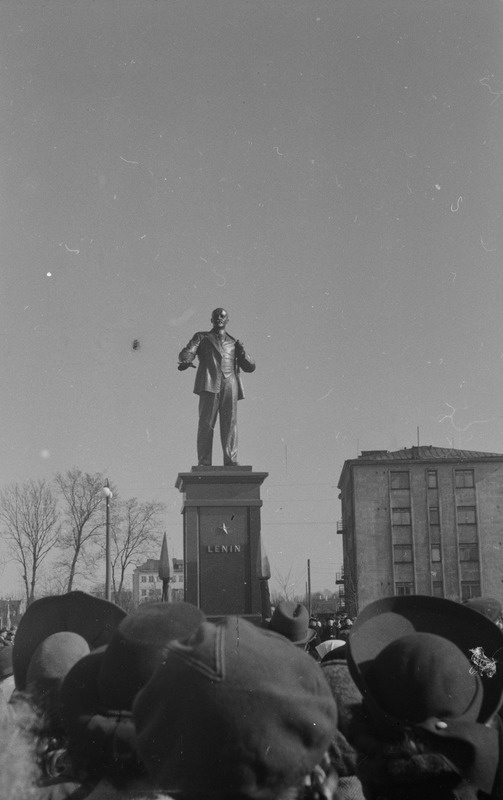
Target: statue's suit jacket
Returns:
[[204, 345]]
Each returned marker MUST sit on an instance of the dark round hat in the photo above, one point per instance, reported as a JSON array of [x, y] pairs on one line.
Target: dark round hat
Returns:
[[391, 646], [77, 612], [97, 695], [236, 711]]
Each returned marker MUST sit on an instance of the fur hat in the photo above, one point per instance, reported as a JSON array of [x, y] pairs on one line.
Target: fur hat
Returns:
[[235, 711], [92, 618], [344, 690], [292, 621]]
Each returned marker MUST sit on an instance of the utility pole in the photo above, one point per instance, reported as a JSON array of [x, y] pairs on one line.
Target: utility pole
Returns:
[[108, 571], [309, 586]]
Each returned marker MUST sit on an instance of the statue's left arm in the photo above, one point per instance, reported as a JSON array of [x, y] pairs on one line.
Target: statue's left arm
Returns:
[[243, 359]]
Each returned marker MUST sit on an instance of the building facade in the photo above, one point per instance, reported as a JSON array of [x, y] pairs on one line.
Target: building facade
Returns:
[[147, 586], [422, 520]]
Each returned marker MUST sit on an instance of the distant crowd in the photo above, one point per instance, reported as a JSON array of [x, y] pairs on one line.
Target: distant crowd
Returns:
[[402, 702], [7, 636]]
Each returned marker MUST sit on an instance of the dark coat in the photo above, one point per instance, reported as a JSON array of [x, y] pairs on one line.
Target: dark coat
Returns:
[[204, 345]]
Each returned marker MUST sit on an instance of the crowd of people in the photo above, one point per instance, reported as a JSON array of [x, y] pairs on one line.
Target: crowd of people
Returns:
[[401, 703], [7, 636]]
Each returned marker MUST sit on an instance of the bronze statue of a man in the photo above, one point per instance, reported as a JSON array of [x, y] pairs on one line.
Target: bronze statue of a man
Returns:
[[218, 384]]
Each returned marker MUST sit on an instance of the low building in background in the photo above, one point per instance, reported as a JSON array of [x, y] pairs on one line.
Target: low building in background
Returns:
[[147, 586], [422, 520]]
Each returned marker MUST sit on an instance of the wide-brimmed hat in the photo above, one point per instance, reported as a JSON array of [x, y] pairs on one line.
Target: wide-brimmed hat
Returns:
[[236, 712], [430, 666], [77, 612], [292, 621], [97, 695], [385, 621]]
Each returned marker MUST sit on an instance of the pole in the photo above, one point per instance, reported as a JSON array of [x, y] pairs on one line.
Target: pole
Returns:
[[309, 586], [108, 588]]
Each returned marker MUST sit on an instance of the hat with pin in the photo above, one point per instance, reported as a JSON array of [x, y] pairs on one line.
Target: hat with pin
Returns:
[[430, 666]]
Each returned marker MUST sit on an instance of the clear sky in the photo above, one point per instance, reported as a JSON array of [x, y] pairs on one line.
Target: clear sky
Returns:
[[329, 172]]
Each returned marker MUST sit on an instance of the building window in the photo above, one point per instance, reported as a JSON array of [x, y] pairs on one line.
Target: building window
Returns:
[[470, 589], [400, 516], [400, 480], [143, 592], [464, 478], [404, 587], [466, 515], [402, 553], [434, 515], [437, 588], [431, 476], [468, 552], [436, 553], [143, 578], [151, 579]]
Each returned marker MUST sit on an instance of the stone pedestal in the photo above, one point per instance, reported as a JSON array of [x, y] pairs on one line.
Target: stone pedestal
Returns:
[[221, 539]]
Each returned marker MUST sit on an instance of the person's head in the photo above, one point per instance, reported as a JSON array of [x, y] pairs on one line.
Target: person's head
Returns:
[[291, 620], [235, 711], [91, 617], [50, 663], [427, 703], [96, 697], [219, 318]]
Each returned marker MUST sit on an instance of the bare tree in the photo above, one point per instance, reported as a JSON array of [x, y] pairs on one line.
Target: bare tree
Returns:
[[286, 588], [82, 496], [30, 520], [135, 529], [52, 584]]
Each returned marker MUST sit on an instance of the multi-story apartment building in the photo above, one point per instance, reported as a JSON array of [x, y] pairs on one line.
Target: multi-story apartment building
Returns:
[[423, 520], [147, 585]]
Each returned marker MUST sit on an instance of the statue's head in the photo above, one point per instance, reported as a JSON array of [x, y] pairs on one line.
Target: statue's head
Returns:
[[219, 318]]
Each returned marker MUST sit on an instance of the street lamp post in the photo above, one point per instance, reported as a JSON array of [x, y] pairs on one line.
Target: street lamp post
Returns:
[[108, 572]]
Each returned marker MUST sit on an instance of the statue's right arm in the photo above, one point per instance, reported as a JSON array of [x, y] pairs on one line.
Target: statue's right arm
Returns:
[[189, 352]]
